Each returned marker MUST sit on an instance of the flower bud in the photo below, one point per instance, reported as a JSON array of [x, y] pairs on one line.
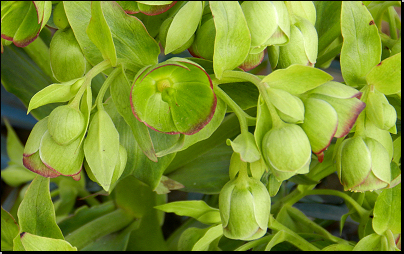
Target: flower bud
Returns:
[[204, 43], [65, 124], [287, 151], [59, 16], [379, 111], [302, 47], [363, 164], [289, 107], [244, 205], [252, 61]]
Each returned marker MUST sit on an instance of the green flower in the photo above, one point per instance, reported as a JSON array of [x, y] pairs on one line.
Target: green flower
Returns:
[[287, 151], [204, 42], [244, 205], [173, 97], [363, 164]]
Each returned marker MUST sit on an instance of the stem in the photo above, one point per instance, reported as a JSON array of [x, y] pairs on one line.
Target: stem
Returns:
[[254, 243], [262, 86], [298, 241], [88, 77], [237, 110], [392, 22], [359, 209], [102, 226], [292, 197], [92, 201], [39, 53]]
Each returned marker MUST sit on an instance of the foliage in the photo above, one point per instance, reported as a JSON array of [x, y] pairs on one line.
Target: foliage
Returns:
[[120, 105]]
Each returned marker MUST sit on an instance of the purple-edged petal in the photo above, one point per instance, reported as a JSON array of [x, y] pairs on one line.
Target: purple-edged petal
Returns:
[[252, 61], [320, 124], [347, 110], [336, 90], [33, 162], [152, 10]]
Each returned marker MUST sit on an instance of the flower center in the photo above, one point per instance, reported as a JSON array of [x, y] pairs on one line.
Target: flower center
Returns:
[[163, 84]]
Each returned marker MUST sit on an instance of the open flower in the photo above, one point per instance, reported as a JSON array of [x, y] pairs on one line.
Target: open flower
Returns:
[[363, 164], [174, 97]]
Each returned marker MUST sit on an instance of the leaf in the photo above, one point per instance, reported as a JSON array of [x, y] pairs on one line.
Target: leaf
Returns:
[[361, 49], [178, 34], [297, 79], [18, 68], [101, 148], [245, 145], [387, 211], [67, 60], [100, 34], [15, 149], [197, 209], [232, 43], [386, 76], [264, 123], [371, 242], [213, 233], [206, 174], [9, 230], [36, 214], [15, 175], [55, 93], [120, 92], [38, 243]]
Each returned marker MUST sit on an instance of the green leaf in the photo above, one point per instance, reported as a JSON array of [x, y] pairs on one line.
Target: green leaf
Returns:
[[9, 230], [244, 144], [15, 148], [38, 243], [232, 43], [15, 175], [18, 68], [264, 123], [297, 79], [178, 34], [101, 148], [387, 211], [386, 76], [100, 34], [207, 174], [197, 209], [36, 214], [361, 49], [371, 242], [67, 60], [213, 233], [55, 93], [120, 92], [397, 150]]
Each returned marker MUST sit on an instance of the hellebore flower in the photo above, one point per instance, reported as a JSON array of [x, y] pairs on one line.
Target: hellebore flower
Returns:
[[244, 205], [380, 112], [45, 157], [152, 9], [302, 47], [252, 61], [173, 97], [363, 164], [287, 151], [289, 107], [21, 22], [330, 111]]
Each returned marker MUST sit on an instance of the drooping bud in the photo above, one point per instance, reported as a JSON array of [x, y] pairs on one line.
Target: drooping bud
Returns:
[[379, 110], [244, 205], [287, 151], [65, 124], [363, 164], [203, 45]]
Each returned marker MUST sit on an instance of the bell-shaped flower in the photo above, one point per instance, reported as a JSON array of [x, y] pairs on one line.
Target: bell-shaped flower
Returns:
[[302, 47], [363, 164], [287, 151], [380, 112], [244, 205], [252, 61], [289, 107], [330, 111], [173, 97], [149, 9], [45, 157], [21, 22]]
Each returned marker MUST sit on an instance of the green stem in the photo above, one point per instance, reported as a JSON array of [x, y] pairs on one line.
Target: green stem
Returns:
[[291, 198], [102, 226], [359, 209], [106, 64], [254, 243], [92, 201], [262, 88], [39, 53], [392, 22], [297, 240], [237, 110]]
